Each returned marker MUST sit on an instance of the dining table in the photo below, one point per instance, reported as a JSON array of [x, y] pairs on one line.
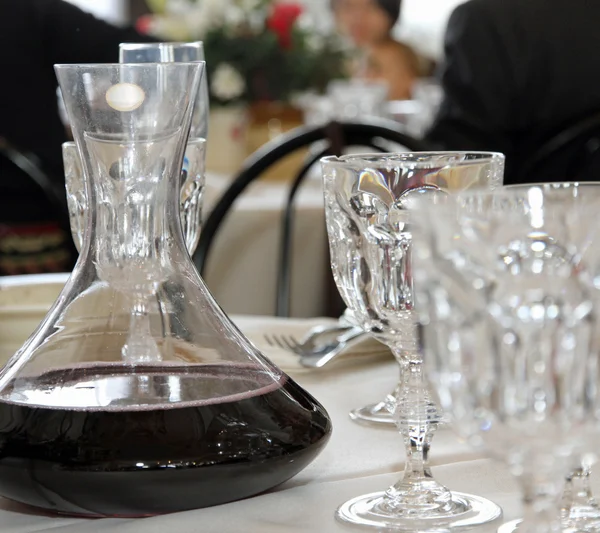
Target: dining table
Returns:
[[358, 458]]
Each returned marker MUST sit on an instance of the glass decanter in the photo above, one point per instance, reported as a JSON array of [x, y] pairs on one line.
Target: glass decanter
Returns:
[[136, 395]]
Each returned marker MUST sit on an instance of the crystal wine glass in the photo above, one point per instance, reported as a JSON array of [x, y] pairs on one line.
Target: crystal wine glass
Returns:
[[366, 199], [580, 509], [174, 53], [506, 289]]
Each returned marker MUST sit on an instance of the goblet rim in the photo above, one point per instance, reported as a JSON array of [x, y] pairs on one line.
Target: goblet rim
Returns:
[[510, 192], [121, 66], [501, 198], [554, 185], [416, 159], [170, 44]]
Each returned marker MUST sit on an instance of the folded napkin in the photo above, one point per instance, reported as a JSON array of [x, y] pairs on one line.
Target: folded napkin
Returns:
[[25, 300], [256, 327]]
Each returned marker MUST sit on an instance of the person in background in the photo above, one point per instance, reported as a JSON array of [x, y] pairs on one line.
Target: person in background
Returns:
[[368, 25], [34, 35], [366, 22], [394, 63], [516, 74]]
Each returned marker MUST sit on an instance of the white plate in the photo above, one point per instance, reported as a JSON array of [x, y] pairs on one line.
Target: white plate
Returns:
[[24, 302]]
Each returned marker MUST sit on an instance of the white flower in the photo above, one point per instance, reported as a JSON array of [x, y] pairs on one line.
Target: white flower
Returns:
[[315, 42], [215, 11], [309, 22], [305, 21], [235, 16], [227, 83], [177, 7], [205, 15]]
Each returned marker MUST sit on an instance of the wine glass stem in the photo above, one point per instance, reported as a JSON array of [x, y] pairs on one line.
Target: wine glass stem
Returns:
[[141, 346], [580, 486], [417, 417], [541, 498], [579, 503]]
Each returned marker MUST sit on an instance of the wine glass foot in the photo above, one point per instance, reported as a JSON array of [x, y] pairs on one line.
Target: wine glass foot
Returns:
[[374, 414], [378, 510], [584, 524], [510, 527], [380, 414], [568, 526]]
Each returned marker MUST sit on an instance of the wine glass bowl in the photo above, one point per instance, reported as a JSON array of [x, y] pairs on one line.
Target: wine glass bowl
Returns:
[[367, 199]]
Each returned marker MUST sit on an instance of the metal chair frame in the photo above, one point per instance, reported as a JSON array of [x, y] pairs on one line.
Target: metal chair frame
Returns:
[[337, 136]]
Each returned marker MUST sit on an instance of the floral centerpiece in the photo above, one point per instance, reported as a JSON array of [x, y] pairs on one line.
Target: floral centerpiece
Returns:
[[256, 50]]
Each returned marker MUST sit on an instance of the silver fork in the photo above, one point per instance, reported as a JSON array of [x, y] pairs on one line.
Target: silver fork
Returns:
[[312, 341], [317, 355]]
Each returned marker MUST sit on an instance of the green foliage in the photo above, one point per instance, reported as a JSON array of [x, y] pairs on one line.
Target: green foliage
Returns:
[[270, 71], [256, 50]]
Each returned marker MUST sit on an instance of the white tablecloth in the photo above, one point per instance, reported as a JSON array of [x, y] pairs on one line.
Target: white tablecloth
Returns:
[[242, 267], [358, 459]]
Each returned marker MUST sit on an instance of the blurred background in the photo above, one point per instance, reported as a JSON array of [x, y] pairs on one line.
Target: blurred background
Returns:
[[423, 21], [512, 76], [271, 66]]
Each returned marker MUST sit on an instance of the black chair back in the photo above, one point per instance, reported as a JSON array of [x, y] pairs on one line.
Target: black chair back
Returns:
[[52, 191], [334, 138], [573, 154]]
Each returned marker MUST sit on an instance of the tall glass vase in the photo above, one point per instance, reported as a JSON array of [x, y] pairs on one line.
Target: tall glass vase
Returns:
[[175, 53]]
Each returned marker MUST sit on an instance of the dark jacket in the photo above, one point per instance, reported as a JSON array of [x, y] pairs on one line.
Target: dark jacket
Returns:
[[34, 35], [516, 73]]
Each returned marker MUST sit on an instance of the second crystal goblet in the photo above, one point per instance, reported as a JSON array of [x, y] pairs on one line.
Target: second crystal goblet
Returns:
[[507, 294], [580, 509], [367, 199]]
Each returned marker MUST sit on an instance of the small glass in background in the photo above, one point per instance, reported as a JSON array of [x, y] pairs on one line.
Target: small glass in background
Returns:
[[351, 100], [427, 93], [174, 53], [354, 99], [406, 113], [346, 101]]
